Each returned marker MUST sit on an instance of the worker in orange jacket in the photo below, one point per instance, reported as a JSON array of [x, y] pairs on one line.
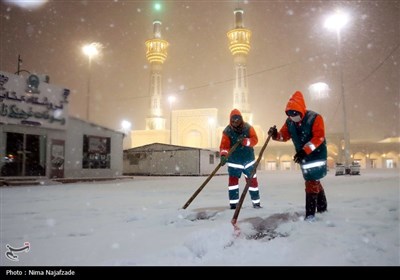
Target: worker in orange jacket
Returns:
[[242, 159], [307, 131]]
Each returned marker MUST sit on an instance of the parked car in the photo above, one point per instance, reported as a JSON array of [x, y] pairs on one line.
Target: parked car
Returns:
[[340, 169], [355, 168]]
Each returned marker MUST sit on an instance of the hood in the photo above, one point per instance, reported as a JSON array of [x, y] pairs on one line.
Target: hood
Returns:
[[296, 102], [235, 112], [237, 128]]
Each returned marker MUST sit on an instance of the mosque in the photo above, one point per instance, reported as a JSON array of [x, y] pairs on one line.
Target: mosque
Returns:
[[193, 127]]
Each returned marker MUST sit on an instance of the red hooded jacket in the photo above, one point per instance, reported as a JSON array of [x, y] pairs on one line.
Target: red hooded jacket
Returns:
[[296, 102], [230, 136]]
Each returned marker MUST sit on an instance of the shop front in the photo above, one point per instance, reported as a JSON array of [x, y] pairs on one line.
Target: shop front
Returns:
[[39, 139]]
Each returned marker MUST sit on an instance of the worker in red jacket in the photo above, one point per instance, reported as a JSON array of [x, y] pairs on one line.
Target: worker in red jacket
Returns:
[[242, 159], [307, 131]]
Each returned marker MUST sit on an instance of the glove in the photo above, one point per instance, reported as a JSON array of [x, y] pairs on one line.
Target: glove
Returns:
[[246, 142], [299, 156], [273, 132], [224, 159]]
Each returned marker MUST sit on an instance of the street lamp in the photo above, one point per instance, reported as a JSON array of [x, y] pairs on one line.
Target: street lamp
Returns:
[[171, 99], [90, 50], [319, 91], [126, 127], [335, 23]]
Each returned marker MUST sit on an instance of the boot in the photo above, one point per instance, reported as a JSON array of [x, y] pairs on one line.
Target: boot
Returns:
[[322, 204], [257, 205], [311, 204]]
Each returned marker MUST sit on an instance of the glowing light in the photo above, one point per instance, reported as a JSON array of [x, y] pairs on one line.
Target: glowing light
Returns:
[[27, 4], [319, 90], [337, 21], [157, 6], [92, 49], [171, 99], [126, 125]]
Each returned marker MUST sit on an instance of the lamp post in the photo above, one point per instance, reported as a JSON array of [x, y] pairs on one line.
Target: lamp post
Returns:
[[211, 122], [171, 99], [19, 70], [91, 50], [335, 23]]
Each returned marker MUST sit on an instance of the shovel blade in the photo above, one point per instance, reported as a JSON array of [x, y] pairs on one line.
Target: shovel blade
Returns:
[[236, 229]]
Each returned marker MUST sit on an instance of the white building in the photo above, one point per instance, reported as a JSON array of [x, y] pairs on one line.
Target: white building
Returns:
[[39, 139], [164, 159]]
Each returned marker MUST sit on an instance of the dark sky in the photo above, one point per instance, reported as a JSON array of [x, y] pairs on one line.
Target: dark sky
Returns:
[[291, 50]]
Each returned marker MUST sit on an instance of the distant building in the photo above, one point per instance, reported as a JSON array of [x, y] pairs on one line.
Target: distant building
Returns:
[[163, 159], [368, 154]]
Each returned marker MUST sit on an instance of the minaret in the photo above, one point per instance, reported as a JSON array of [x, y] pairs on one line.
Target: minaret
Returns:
[[239, 45], [156, 54]]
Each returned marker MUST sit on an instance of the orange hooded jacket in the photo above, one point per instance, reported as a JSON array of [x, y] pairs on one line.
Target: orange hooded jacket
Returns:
[[296, 103], [229, 136]]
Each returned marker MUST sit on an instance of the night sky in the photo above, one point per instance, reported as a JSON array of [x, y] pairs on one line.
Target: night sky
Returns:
[[291, 50]]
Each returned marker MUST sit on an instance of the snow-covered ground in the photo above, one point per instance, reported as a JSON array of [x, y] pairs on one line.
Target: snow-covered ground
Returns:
[[141, 222]]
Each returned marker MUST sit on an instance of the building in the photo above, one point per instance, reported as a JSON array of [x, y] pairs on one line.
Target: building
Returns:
[[368, 154], [193, 127], [39, 139], [156, 54], [164, 159]]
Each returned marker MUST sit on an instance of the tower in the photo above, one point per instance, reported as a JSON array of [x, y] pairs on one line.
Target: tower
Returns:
[[239, 45], [156, 54]]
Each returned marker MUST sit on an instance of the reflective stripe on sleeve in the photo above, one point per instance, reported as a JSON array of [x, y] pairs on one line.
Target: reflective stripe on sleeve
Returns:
[[311, 146], [314, 164]]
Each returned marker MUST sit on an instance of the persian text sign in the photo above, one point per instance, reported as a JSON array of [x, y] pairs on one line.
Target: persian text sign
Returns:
[[29, 101]]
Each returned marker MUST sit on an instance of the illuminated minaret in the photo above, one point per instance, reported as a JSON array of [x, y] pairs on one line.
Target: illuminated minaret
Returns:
[[239, 45], [156, 54]]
